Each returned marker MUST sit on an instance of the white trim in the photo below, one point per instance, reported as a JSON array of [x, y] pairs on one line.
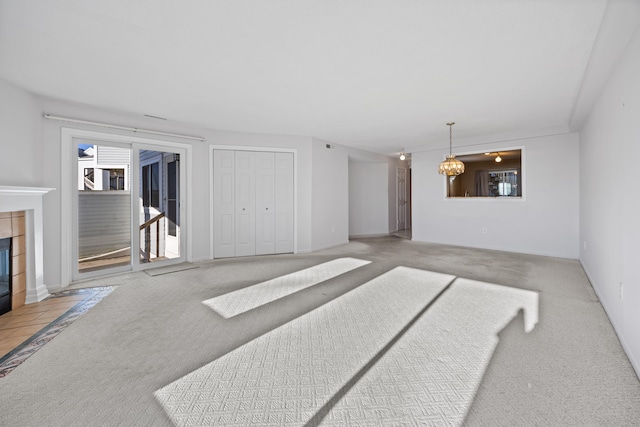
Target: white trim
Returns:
[[618, 328], [30, 200], [294, 151], [24, 191], [128, 128]]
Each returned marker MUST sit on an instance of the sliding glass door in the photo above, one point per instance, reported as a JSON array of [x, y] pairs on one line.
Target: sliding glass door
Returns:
[[127, 207]]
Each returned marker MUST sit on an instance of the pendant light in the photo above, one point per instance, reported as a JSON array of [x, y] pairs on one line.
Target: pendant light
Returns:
[[451, 166], [498, 159]]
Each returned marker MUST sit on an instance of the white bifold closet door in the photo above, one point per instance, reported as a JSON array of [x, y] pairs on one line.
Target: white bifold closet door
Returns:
[[265, 203], [253, 203], [245, 177], [284, 218]]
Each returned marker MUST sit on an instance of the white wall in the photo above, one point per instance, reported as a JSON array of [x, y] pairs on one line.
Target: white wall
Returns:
[[200, 243], [29, 139], [544, 222], [329, 195], [610, 199], [21, 157], [368, 200], [198, 167]]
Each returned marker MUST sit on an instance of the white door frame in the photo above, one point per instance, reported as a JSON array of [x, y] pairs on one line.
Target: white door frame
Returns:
[[69, 183], [213, 147]]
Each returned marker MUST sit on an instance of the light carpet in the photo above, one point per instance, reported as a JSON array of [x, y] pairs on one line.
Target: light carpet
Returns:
[[170, 269], [152, 331]]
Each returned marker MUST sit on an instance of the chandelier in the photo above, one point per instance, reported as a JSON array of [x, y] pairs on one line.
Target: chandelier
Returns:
[[451, 166]]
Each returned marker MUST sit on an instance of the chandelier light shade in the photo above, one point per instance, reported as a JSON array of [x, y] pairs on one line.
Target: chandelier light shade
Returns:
[[451, 166], [402, 156]]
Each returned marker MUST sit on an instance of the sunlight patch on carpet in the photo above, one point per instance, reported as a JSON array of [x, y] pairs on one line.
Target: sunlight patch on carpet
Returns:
[[432, 374], [240, 301], [286, 375]]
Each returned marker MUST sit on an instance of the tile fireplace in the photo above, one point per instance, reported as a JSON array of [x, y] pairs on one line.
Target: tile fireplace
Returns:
[[13, 284], [21, 251]]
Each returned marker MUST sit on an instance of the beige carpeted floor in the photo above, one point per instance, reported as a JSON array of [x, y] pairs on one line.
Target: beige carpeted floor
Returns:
[[151, 332]]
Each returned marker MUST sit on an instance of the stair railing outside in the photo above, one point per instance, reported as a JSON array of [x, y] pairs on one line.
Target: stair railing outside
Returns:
[[147, 236]]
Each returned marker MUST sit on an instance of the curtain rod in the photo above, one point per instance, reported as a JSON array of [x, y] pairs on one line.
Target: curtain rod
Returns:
[[132, 129]]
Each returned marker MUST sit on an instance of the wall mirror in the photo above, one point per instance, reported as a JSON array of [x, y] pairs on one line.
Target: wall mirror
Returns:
[[488, 174]]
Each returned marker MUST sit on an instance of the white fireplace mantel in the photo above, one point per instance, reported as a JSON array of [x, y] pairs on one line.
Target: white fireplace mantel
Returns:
[[29, 199]]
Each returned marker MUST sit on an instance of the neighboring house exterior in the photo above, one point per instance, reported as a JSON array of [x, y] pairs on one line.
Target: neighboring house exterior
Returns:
[[102, 168]]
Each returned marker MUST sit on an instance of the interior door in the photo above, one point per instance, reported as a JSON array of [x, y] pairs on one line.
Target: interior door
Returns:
[[245, 193], [253, 203], [409, 201], [284, 203], [402, 197], [224, 208], [265, 203]]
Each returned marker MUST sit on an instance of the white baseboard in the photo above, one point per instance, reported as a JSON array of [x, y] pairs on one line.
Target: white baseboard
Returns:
[[621, 337]]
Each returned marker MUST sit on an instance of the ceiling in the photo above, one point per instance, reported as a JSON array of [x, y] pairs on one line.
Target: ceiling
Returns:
[[380, 76]]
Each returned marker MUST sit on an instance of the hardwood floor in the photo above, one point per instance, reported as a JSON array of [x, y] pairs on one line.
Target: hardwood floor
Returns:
[[19, 325]]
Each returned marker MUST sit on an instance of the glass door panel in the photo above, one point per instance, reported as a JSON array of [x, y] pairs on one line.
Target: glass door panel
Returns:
[[159, 207], [103, 207]]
